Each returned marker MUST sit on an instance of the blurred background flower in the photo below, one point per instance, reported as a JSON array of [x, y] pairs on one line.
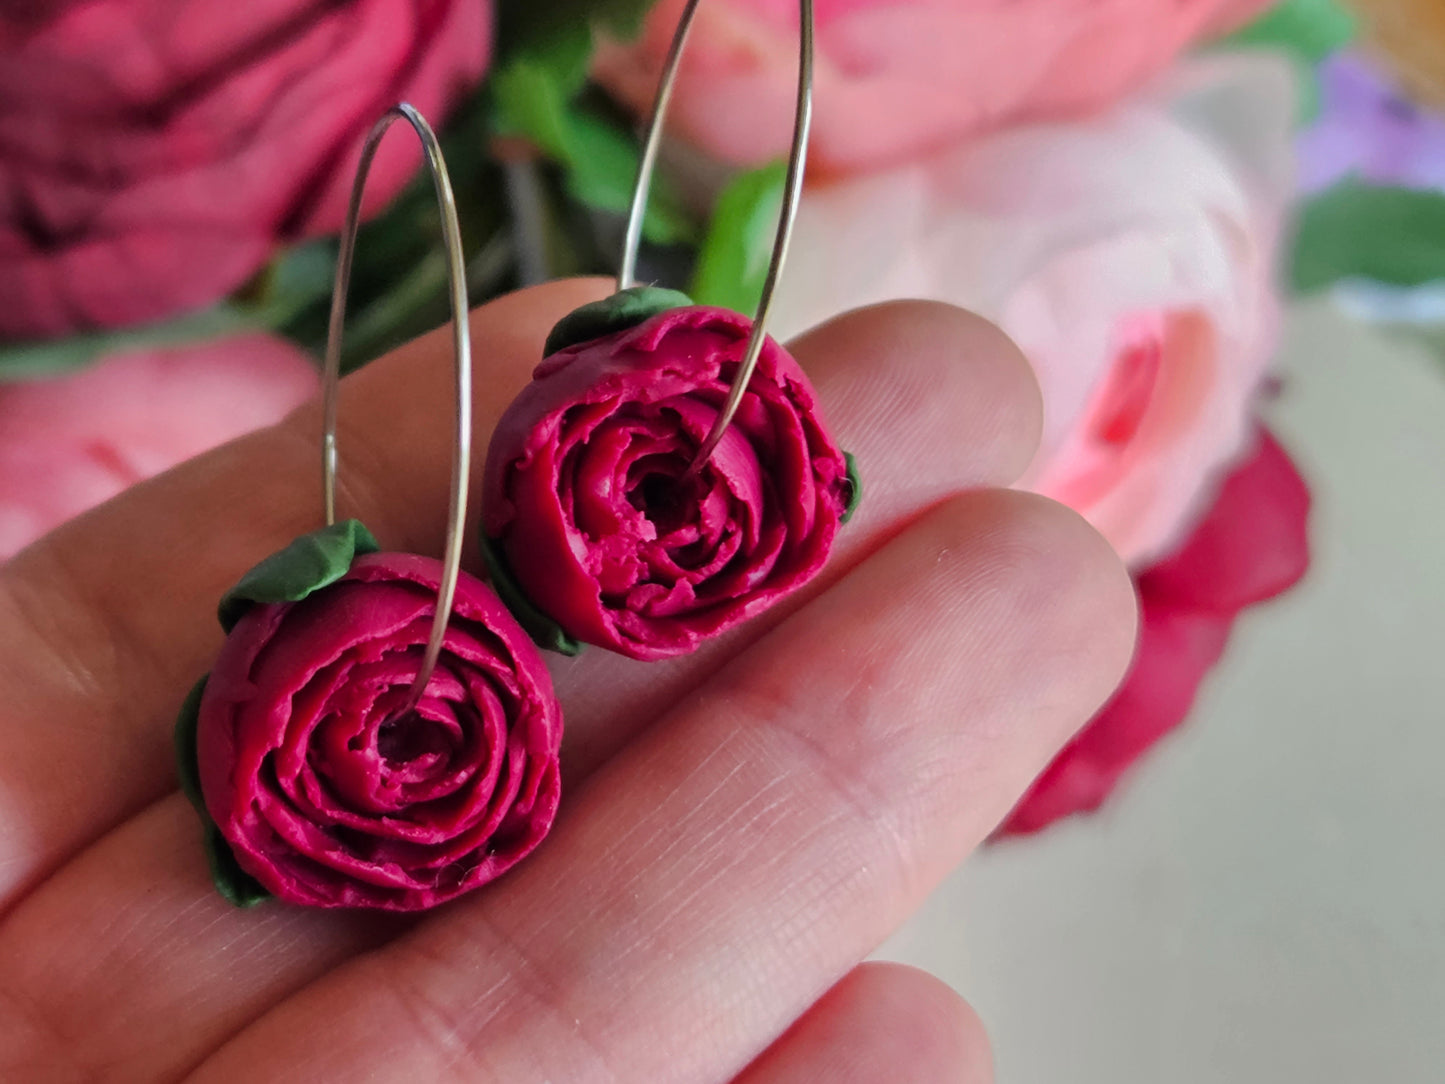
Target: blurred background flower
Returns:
[[1369, 129], [153, 153], [69, 443], [896, 79], [1130, 255], [1133, 255], [1251, 546]]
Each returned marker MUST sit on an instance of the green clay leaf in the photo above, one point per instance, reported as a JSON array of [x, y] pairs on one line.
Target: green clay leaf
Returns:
[[188, 767], [733, 261], [231, 881], [855, 491], [545, 632], [1391, 235], [624, 309], [311, 562]]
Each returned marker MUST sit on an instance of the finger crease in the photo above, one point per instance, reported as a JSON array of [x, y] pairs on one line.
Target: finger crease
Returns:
[[453, 1025]]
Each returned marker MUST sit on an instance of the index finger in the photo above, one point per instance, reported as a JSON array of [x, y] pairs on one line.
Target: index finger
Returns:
[[106, 623]]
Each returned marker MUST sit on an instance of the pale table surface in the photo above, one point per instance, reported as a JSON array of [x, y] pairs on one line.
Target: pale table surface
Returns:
[[1265, 900]]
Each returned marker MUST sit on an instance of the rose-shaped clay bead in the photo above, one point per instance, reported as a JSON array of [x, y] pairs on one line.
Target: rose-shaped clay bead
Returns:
[[324, 796], [588, 503]]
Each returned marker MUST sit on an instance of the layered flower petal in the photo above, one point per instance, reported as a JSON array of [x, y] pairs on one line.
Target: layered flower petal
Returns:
[[327, 793], [589, 501]]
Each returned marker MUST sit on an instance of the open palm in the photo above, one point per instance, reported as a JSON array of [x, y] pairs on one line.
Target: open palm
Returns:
[[739, 828]]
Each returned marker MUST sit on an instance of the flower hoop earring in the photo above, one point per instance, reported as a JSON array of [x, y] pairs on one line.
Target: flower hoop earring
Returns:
[[377, 731], [667, 473]]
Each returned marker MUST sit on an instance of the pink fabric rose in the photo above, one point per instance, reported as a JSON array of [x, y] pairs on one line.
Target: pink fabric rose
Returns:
[[898, 77], [587, 497], [327, 798], [152, 154], [69, 443], [1130, 256], [1251, 546]]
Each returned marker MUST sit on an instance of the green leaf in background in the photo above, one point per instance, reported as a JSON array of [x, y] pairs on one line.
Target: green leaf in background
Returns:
[[599, 159], [733, 262], [308, 564], [533, 90], [1353, 230], [29, 360], [604, 170], [1307, 31], [537, 93], [530, 26], [297, 279]]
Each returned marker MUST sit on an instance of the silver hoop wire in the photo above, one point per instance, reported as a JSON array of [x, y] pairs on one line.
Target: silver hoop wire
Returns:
[[792, 194], [462, 348]]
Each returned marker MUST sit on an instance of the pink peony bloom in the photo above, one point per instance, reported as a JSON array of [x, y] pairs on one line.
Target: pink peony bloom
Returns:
[[69, 443], [587, 498], [1131, 257], [1251, 546], [898, 77], [328, 800], [152, 154]]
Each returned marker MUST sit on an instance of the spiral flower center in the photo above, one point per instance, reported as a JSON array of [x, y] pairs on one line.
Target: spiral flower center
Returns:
[[669, 500], [410, 738]]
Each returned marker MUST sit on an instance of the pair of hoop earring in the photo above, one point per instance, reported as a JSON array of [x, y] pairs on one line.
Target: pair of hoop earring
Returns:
[[380, 729]]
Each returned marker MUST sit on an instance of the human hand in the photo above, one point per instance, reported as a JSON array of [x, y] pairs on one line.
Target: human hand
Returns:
[[739, 827]]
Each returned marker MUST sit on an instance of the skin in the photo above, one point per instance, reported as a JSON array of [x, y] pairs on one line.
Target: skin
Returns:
[[739, 828]]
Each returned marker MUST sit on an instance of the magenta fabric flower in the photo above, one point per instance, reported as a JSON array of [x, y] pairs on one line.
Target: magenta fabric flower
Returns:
[[1251, 546], [589, 511], [317, 790], [154, 152]]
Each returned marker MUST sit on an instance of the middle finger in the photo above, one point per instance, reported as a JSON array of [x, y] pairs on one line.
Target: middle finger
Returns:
[[929, 399], [713, 879]]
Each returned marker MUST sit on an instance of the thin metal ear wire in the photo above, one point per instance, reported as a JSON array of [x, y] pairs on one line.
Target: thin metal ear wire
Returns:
[[792, 194], [462, 348]]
